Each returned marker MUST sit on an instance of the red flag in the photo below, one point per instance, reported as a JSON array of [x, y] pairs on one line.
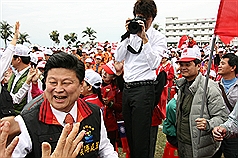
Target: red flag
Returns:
[[227, 21], [182, 41]]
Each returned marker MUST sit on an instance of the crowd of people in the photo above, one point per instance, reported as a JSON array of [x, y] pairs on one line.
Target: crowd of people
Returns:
[[49, 95]]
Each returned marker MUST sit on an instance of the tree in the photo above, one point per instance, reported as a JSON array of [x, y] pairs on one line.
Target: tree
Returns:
[[90, 33], [157, 27], [71, 38], [54, 36], [23, 38], [6, 32]]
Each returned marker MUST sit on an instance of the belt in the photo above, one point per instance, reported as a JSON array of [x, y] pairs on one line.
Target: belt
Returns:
[[129, 85]]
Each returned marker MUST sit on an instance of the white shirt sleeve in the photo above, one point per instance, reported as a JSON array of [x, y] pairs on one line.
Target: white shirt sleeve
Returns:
[[106, 150], [22, 92], [5, 60], [24, 145]]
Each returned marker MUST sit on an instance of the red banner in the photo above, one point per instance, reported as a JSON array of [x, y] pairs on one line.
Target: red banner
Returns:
[[227, 20]]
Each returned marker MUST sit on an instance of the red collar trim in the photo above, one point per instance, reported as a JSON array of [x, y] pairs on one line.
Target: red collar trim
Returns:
[[46, 115]]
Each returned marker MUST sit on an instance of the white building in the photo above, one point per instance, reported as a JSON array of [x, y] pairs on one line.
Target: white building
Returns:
[[202, 29]]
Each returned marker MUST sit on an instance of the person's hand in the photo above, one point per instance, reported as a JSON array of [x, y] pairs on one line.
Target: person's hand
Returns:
[[119, 67], [201, 123], [30, 75], [6, 152], [127, 23], [36, 76], [219, 133], [142, 33], [68, 145], [16, 33]]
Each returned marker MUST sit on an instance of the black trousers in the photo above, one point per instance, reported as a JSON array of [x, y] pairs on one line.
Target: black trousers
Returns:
[[228, 148], [137, 108]]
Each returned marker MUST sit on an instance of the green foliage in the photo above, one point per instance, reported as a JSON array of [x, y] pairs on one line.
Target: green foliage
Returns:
[[23, 38], [71, 38], [89, 32], [5, 31], [54, 36]]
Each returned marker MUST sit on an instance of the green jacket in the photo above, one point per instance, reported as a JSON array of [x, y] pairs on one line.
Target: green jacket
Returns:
[[169, 123], [20, 82], [214, 111]]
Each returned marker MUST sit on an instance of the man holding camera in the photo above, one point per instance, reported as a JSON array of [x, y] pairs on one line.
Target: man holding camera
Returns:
[[141, 49]]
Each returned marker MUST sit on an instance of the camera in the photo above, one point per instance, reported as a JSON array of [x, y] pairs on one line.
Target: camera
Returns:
[[134, 26]]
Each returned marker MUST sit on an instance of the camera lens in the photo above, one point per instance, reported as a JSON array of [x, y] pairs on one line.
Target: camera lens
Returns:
[[134, 27]]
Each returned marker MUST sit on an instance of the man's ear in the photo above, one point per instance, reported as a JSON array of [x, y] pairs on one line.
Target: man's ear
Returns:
[[90, 88], [199, 66]]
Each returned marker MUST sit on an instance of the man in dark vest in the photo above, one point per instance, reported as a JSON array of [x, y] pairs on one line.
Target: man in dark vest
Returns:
[[59, 105]]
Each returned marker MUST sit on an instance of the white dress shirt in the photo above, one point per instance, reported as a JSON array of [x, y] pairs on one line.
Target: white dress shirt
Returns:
[[24, 145], [142, 66]]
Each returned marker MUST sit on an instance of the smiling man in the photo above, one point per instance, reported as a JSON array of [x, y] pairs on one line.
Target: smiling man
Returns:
[[189, 102], [48, 115]]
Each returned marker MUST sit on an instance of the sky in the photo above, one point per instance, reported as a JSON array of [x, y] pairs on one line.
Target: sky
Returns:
[[107, 17]]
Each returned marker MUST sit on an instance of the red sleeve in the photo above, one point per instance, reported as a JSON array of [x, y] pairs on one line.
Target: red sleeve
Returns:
[[35, 90]]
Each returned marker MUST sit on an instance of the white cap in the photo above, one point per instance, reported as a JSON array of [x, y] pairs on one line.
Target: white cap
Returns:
[[21, 50], [93, 78], [190, 54], [98, 57], [100, 47], [191, 35], [73, 48], [88, 60], [109, 68], [34, 58], [48, 52], [41, 64], [165, 55], [85, 50], [173, 50], [220, 49]]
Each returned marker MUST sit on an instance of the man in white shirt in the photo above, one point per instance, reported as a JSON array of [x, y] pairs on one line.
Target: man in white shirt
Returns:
[[141, 50]]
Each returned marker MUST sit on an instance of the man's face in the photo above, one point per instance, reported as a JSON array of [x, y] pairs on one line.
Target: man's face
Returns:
[[74, 52], [98, 60], [189, 70], [62, 88], [224, 68], [84, 55], [15, 62]]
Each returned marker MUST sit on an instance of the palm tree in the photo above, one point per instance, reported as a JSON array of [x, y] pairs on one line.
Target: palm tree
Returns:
[[5, 31], [67, 39], [23, 38], [54, 36], [71, 38], [157, 27], [90, 33]]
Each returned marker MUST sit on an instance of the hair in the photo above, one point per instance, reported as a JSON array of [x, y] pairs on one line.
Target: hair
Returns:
[[145, 7], [25, 60], [97, 91], [35, 48], [233, 60], [67, 61], [197, 61]]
